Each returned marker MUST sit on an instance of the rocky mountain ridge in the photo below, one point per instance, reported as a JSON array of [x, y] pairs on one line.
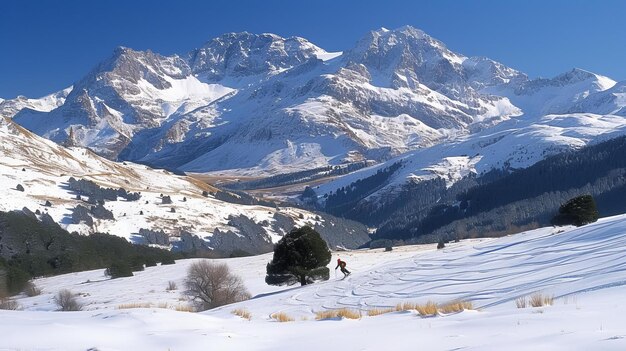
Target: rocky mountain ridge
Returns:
[[255, 105]]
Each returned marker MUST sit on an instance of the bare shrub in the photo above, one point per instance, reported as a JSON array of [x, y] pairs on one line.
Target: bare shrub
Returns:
[[67, 301], [521, 302], [243, 313], [184, 308], [211, 285], [171, 285], [282, 317], [9, 304], [31, 290]]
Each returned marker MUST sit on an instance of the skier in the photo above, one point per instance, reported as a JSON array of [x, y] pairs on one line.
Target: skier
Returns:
[[342, 264]]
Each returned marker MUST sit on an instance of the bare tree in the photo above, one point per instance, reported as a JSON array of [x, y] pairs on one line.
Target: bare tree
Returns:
[[211, 285], [66, 300]]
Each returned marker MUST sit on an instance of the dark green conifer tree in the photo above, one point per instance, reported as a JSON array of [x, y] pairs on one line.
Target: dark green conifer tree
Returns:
[[300, 256]]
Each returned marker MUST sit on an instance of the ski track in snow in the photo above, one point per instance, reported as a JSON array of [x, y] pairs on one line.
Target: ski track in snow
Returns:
[[491, 273]]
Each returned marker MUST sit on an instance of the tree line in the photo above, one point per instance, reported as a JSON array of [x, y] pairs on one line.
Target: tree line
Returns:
[[33, 248]]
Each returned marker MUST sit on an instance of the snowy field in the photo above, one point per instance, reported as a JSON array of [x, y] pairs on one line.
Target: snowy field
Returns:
[[583, 268]]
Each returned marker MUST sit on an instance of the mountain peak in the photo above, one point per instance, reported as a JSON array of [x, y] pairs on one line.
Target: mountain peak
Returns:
[[245, 54], [576, 75], [406, 30]]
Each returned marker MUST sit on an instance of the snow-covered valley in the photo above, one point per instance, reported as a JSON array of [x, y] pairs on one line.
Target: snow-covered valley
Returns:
[[583, 268]]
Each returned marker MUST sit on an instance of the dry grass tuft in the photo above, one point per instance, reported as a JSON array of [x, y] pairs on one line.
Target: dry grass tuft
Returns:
[[125, 306], [539, 300], [379, 311], [456, 306], [184, 308], [534, 300], [171, 285], [164, 305], [282, 317], [243, 313], [406, 306], [339, 313], [328, 314], [348, 313], [427, 310]]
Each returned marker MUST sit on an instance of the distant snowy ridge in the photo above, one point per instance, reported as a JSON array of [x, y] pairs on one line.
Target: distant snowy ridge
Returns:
[[9, 107]]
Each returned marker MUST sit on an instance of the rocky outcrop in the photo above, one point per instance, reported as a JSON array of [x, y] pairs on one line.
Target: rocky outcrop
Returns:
[[154, 237]]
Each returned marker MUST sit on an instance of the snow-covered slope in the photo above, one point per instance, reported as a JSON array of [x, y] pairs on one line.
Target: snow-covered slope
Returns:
[[610, 101], [43, 168], [514, 144], [582, 268], [555, 95]]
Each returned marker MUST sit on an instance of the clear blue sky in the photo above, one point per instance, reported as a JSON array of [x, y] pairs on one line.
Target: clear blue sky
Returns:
[[46, 45]]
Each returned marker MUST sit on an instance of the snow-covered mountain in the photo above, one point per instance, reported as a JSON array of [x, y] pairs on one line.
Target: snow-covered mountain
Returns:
[[566, 112], [9, 107], [249, 105], [553, 95], [36, 174], [291, 102]]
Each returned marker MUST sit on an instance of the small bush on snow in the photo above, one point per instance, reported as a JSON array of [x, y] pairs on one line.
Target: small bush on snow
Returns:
[[67, 301]]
